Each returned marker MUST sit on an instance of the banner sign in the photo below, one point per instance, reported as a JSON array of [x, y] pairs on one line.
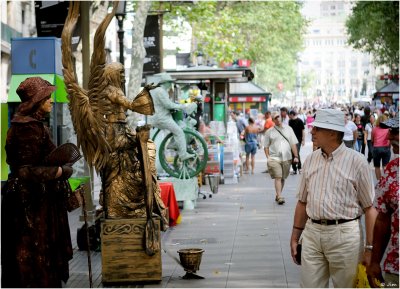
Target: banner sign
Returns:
[[247, 99], [50, 19], [152, 44]]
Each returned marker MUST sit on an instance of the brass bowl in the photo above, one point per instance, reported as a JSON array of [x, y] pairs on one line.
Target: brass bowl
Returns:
[[190, 259]]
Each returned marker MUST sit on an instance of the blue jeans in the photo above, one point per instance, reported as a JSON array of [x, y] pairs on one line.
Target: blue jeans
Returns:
[[360, 144], [250, 148]]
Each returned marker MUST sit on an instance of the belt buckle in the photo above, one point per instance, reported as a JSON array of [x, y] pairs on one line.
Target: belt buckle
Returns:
[[324, 222]]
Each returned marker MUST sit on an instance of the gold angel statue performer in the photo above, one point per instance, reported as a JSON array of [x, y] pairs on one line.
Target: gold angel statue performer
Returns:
[[124, 158]]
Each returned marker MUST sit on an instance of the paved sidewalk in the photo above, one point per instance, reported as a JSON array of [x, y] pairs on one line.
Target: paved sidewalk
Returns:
[[244, 233]]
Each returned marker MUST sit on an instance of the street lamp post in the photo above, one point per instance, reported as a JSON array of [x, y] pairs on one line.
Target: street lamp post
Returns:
[[199, 58], [120, 15]]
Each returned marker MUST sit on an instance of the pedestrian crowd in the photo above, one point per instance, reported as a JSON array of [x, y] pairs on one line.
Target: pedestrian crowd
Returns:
[[336, 190]]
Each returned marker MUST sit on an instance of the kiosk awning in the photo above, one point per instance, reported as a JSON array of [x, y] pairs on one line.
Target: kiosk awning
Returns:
[[247, 92], [391, 89], [205, 72]]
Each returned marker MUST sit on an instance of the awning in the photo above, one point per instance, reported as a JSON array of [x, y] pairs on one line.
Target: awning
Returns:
[[205, 72], [247, 92], [247, 99], [60, 95], [389, 90]]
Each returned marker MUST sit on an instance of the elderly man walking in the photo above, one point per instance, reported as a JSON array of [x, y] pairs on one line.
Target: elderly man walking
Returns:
[[336, 188], [279, 145]]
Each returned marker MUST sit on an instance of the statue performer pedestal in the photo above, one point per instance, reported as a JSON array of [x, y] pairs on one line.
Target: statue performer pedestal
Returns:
[[123, 255]]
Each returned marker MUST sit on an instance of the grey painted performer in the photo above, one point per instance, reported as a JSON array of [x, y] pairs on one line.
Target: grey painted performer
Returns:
[[162, 118]]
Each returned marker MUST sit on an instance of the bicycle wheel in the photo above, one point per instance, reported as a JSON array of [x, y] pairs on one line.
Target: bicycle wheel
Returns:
[[172, 164]]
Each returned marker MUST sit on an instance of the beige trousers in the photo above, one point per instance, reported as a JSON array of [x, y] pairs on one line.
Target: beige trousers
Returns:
[[332, 251]]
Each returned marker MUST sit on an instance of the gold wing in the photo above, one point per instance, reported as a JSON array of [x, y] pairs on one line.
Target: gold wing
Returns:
[[98, 81], [88, 125], [143, 102]]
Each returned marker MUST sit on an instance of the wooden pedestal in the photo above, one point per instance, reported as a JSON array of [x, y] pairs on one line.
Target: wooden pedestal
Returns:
[[123, 257]]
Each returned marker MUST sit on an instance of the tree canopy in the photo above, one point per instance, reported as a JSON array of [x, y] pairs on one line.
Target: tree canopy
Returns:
[[269, 33], [373, 27]]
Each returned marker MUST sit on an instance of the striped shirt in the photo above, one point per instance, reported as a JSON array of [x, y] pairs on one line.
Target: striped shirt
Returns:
[[336, 187], [279, 147]]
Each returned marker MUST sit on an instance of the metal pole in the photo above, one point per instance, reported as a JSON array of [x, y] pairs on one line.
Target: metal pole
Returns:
[[121, 40]]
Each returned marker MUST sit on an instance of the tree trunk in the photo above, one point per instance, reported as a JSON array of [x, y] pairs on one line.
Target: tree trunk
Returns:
[[138, 54]]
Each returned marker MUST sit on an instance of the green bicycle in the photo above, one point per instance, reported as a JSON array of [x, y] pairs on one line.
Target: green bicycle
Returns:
[[195, 144]]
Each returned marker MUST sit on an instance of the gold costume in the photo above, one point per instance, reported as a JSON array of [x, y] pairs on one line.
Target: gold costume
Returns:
[[124, 158]]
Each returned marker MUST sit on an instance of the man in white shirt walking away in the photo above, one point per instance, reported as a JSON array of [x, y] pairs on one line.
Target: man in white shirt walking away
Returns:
[[279, 145]]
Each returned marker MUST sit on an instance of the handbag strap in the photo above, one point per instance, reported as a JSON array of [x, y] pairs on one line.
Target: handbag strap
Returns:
[[286, 140], [282, 135]]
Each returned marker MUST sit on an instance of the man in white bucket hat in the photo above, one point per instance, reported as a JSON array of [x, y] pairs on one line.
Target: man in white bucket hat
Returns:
[[336, 188]]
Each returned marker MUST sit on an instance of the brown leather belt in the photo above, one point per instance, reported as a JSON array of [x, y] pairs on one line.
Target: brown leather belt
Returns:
[[333, 222]]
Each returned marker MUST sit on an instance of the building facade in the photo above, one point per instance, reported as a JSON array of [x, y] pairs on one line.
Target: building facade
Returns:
[[17, 20], [338, 72]]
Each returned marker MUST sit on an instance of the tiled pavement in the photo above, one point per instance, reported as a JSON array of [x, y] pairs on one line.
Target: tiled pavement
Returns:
[[244, 233]]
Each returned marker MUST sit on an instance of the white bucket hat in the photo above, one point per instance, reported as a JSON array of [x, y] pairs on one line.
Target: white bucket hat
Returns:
[[164, 77], [330, 119]]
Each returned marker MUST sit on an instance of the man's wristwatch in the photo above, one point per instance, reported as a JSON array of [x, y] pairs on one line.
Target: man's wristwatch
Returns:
[[368, 247]]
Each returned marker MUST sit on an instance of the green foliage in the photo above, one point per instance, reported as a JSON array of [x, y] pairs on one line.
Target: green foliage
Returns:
[[269, 33], [374, 28]]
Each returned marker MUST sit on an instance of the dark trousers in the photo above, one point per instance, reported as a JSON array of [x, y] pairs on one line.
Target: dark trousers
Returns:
[[370, 149], [363, 147], [298, 165], [349, 143]]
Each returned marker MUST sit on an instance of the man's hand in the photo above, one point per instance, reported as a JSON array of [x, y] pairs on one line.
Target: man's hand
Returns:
[[374, 273], [293, 249], [189, 108], [66, 172], [366, 259]]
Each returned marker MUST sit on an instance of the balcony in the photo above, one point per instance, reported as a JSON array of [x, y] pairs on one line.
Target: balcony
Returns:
[[7, 33]]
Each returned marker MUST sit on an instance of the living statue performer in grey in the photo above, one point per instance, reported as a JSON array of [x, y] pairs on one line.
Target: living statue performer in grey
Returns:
[[162, 118]]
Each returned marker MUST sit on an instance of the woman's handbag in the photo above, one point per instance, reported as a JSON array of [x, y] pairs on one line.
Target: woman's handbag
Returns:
[[74, 198]]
